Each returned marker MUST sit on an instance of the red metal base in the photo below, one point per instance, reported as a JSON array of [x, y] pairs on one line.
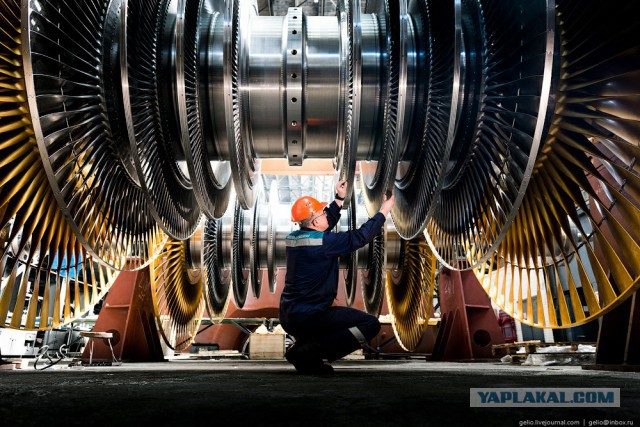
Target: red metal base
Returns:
[[127, 312], [469, 326]]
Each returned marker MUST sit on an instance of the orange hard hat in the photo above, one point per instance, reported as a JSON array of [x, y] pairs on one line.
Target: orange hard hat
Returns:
[[305, 207]]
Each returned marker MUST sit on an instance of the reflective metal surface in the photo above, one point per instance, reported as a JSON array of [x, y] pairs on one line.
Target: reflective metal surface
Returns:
[[210, 178], [420, 175], [257, 242], [272, 269], [244, 165], [378, 175], [265, 72], [507, 58], [372, 277], [178, 295], [349, 262], [351, 81], [241, 266], [409, 290], [507, 131], [78, 128], [217, 268], [582, 205], [153, 78]]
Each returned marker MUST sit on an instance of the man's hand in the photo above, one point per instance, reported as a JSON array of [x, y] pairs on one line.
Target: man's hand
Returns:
[[387, 205], [341, 188]]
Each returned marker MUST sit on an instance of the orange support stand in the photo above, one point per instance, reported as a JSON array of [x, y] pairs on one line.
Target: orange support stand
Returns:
[[128, 314], [468, 326]]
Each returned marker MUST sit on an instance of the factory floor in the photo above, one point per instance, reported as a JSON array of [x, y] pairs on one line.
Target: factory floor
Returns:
[[266, 393]]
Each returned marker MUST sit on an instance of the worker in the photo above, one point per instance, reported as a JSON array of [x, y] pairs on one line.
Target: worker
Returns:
[[322, 331]]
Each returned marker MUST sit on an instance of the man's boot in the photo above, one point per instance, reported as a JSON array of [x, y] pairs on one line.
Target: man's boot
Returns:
[[307, 359]]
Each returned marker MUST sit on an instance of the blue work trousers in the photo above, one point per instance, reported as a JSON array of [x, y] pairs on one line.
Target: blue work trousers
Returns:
[[333, 329]]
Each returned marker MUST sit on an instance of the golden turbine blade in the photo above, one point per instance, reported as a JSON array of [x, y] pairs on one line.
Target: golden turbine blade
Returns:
[[574, 249], [39, 255], [178, 295], [409, 292]]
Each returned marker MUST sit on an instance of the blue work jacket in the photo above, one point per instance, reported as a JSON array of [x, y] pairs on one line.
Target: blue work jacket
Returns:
[[311, 283]]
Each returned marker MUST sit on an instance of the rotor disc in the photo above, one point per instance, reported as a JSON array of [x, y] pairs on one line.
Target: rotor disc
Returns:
[[579, 217], [38, 251], [210, 179], [378, 175], [507, 65], [79, 133], [409, 292], [254, 249], [373, 276], [351, 260], [154, 29], [272, 269], [349, 16], [239, 274], [177, 296], [217, 272], [420, 174], [43, 294], [245, 168]]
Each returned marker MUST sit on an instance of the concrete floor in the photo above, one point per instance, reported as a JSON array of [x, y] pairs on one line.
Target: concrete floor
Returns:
[[250, 393]]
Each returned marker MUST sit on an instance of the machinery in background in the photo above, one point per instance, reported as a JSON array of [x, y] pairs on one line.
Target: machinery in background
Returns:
[[507, 131]]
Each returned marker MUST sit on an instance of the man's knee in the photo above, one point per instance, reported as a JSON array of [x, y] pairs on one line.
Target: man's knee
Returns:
[[370, 327]]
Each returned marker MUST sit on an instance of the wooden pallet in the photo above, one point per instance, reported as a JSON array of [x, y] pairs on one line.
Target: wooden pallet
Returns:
[[10, 365], [531, 347], [217, 354]]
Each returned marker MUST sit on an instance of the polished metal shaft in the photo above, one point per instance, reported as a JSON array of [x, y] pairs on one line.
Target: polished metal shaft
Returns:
[[293, 74]]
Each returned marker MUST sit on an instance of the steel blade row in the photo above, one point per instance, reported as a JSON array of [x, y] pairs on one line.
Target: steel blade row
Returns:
[[48, 278], [574, 246], [506, 130]]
